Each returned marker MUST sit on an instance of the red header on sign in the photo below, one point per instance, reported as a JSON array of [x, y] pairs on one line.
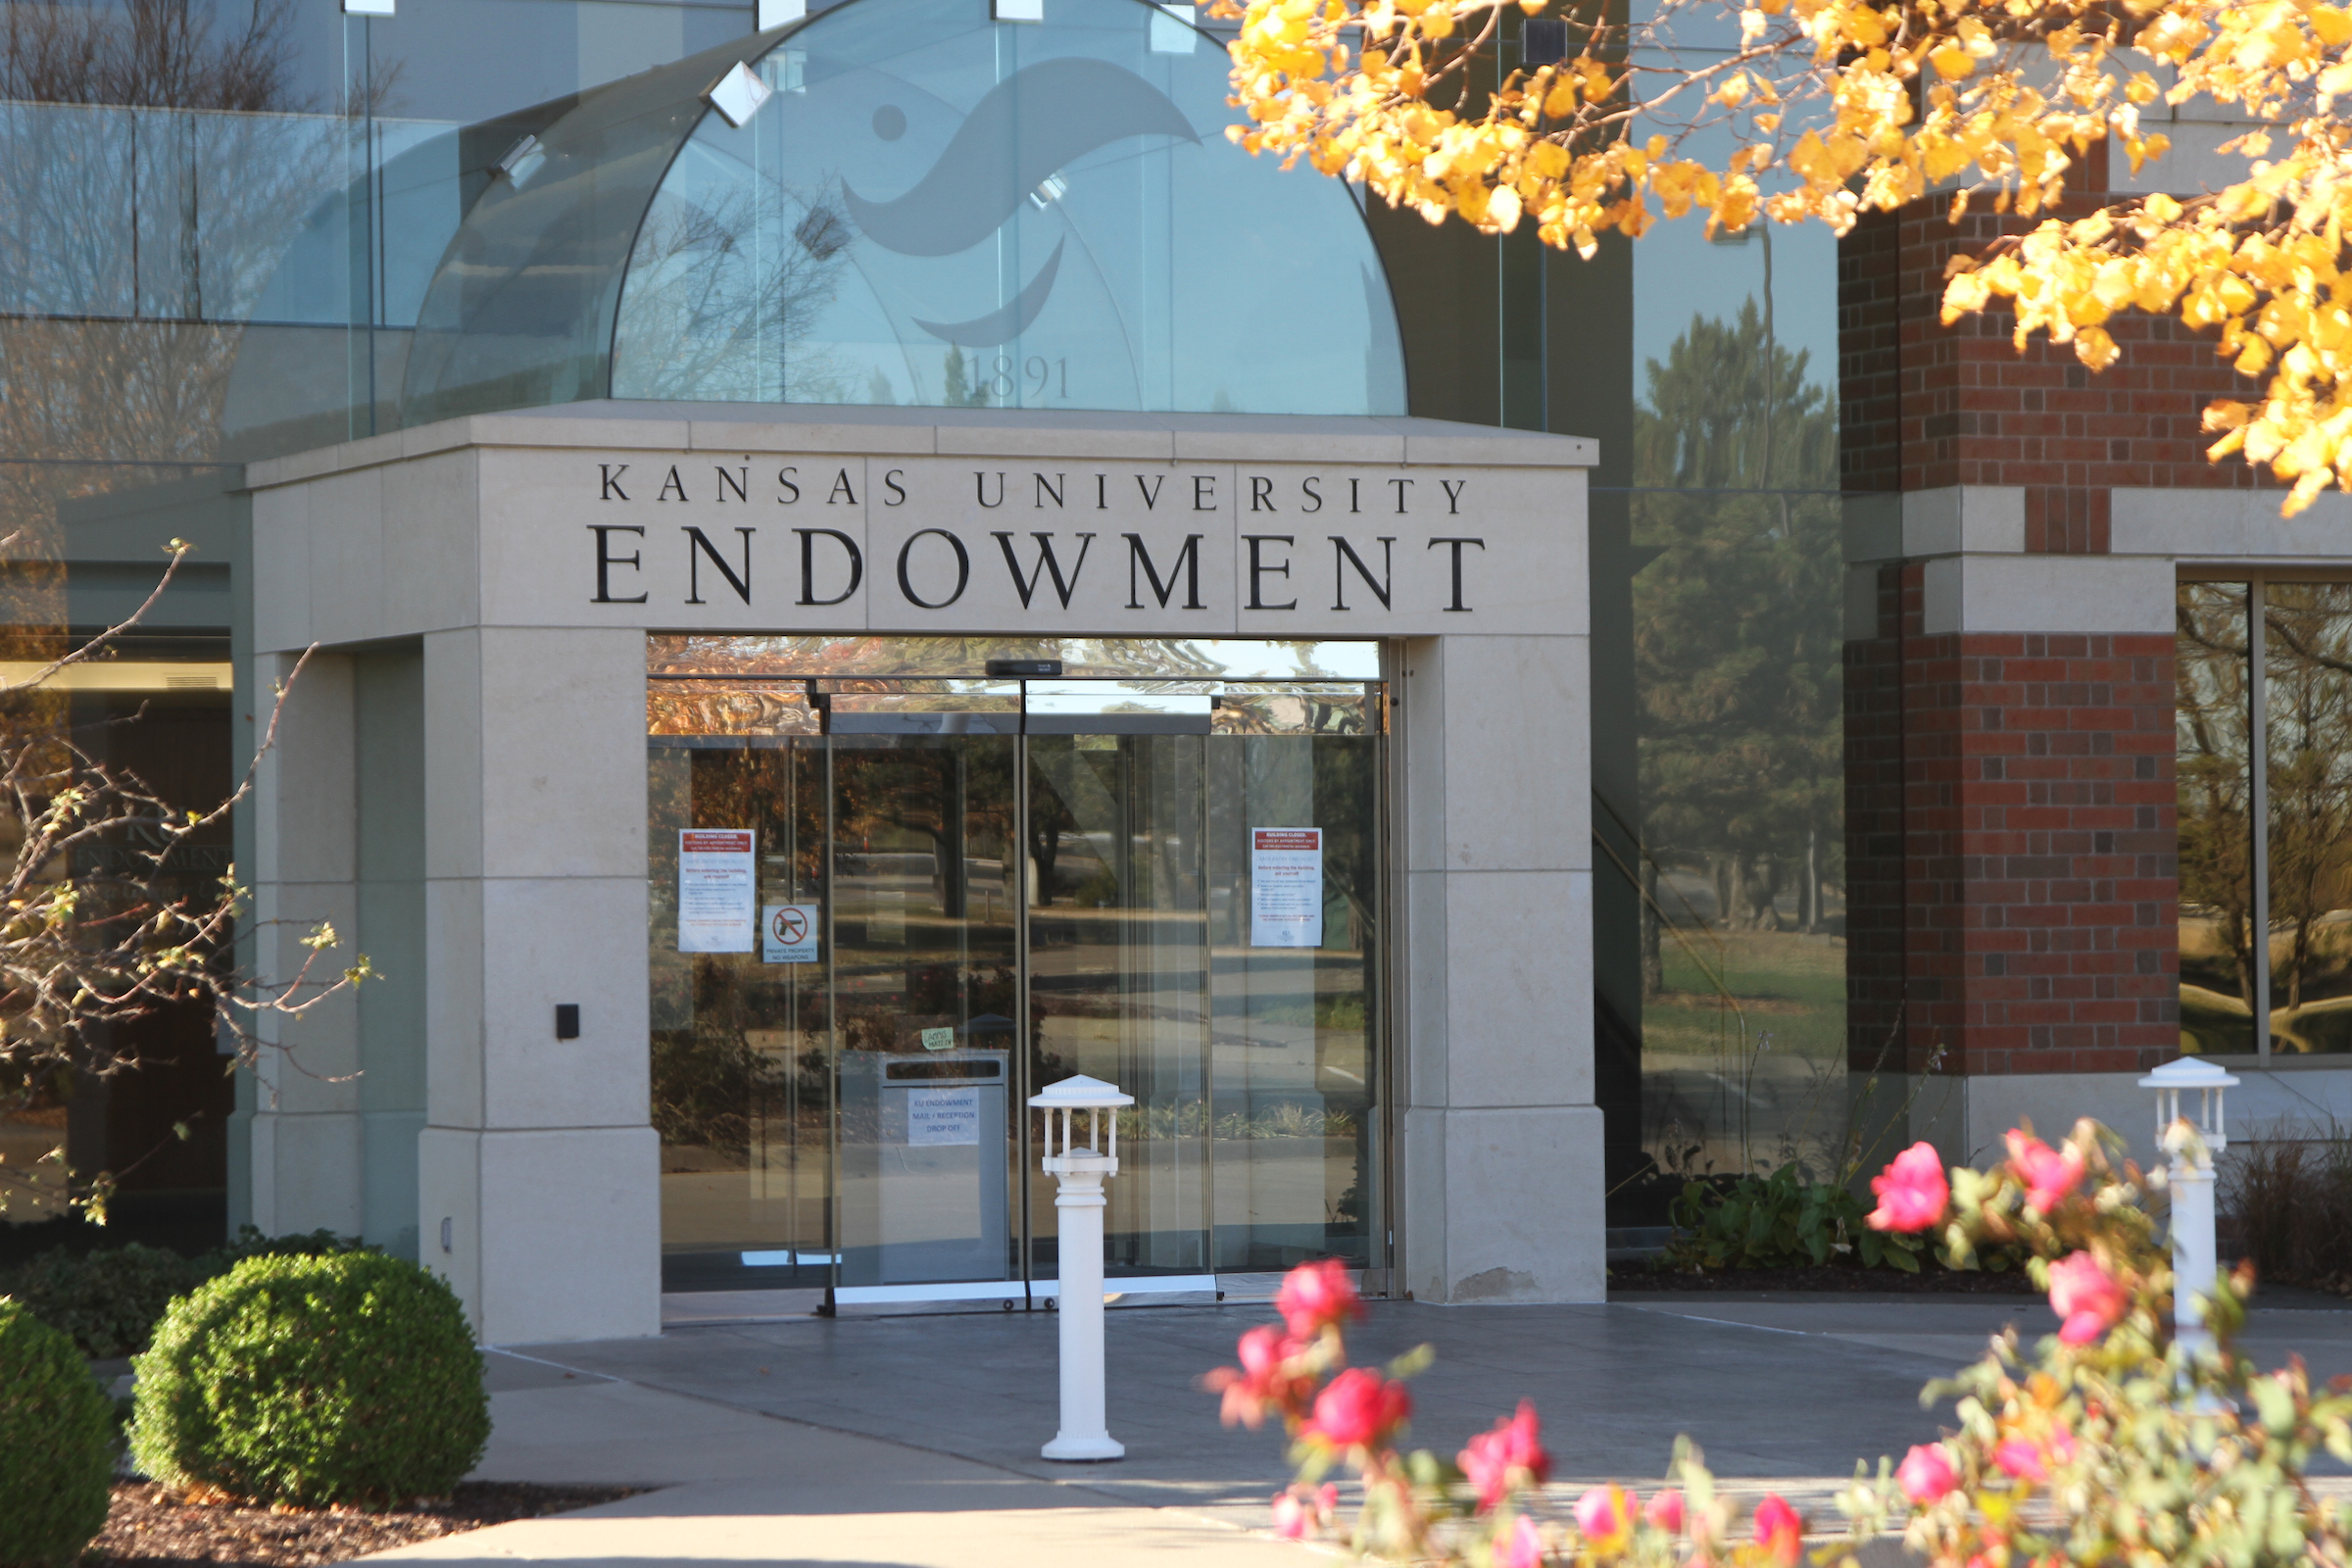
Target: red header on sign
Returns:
[[1287, 838], [716, 841]]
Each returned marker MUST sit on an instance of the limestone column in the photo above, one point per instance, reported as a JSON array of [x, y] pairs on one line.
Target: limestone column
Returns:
[[303, 1140], [1501, 1192], [538, 1183]]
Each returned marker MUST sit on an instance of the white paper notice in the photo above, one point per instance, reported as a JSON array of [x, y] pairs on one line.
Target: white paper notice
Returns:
[[788, 933], [715, 913], [1286, 887], [936, 1117]]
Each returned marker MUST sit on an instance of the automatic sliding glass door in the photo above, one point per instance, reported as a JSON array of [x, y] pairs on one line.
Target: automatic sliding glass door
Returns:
[[923, 981], [960, 890], [1118, 975]]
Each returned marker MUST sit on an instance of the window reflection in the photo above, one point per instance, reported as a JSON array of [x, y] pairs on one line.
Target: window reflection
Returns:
[[2214, 772], [937, 209], [2307, 744], [1739, 845]]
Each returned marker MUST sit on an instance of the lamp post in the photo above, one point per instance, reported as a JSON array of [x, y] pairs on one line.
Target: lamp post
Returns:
[[1080, 1169], [2190, 1146]]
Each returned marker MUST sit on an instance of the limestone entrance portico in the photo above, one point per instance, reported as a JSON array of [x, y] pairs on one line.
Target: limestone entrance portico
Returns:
[[460, 781]]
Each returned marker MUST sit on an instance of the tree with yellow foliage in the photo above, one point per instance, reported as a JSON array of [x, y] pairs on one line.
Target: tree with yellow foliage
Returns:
[[1834, 108]]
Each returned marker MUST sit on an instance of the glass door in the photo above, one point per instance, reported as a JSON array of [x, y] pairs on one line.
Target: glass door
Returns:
[[1119, 958], [959, 891]]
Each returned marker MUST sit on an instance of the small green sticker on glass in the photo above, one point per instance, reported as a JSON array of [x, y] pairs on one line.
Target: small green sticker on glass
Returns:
[[939, 1040]]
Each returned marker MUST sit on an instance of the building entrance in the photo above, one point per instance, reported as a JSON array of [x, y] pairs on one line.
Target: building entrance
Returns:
[[900, 885]]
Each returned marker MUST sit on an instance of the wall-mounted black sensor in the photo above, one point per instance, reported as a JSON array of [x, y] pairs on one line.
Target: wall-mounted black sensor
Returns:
[[568, 1021], [1026, 668], [1542, 41]]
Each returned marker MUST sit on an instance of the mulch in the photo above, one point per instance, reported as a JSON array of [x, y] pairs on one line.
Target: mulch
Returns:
[[1637, 1279], [147, 1525]]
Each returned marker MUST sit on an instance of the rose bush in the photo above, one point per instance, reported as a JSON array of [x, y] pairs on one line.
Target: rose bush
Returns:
[[2108, 1445]]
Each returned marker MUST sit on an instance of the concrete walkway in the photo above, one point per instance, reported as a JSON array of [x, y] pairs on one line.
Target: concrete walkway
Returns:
[[912, 1441]]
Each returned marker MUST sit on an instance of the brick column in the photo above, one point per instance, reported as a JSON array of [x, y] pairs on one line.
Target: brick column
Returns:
[[2012, 860]]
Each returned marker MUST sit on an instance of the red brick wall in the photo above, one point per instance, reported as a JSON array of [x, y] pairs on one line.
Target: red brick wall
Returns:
[[1924, 406], [2012, 862], [2011, 853]]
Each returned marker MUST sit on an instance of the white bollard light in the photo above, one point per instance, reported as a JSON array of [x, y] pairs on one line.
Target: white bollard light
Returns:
[[2190, 1144], [1081, 1171]]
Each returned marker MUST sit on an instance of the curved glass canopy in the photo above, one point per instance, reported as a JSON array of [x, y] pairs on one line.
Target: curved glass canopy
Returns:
[[933, 208]]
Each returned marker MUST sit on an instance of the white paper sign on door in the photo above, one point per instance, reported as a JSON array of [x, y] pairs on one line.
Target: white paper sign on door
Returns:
[[716, 909], [788, 933], [1286, 887], [936, 1117]]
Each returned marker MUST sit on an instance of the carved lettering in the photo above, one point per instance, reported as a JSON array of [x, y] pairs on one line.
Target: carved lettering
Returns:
[[1047, 562], [842, 490], [1307, 485], [1260, 569], [891, 481], [784, 478], [1403, 485], [611, 473], [1456, 547], [739, 481], [809, 538], [1188, 562], [673, 483], [1044, 490], [1343, 556], [1150, 491], [698, 545], [1204, 492], [980, 488], [605, 560], [1453, 489], [964, 570], [1261, 494]]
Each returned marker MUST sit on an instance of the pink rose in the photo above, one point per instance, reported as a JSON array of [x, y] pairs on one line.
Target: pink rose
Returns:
[[1665, 1511], [1523, 1548], [1508, 1456], [1779, 1529], [1317, 1295], [1605, 1515], [1263, 1381], [2086, 1296], [2049, 1174], [1360, 1409], [1912, 1192], [1927, 1474], [2021, 1457], [1298, 1515]]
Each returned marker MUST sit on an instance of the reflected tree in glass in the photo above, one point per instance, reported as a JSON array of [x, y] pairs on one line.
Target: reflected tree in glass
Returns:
[[1738, 644], [2307, 648], [2213, 768]]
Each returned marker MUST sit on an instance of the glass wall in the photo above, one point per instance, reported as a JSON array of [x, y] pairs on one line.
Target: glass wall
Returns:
[[2266, 658], [993, 884]]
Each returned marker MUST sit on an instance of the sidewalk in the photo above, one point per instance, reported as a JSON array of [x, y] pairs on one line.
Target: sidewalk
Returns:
[[912, 1439]]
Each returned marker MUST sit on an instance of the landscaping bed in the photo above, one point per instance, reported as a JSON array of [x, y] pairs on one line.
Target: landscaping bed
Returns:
[[1929, 1281], [146, 1525]]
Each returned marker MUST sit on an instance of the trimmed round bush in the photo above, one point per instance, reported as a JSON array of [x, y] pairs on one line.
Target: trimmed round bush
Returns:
[[349, 1380], [57, 1445]]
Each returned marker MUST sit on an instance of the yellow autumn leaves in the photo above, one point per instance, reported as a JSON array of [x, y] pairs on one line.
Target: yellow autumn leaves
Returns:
[[1832, 107]]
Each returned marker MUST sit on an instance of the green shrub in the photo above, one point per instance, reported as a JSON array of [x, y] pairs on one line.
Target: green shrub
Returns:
[[348, 1379], [108, 1302], [1785, 1220], [57, 1450]]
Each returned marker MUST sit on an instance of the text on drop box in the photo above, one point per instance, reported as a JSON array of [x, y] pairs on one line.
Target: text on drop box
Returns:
[[936, 1117]]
